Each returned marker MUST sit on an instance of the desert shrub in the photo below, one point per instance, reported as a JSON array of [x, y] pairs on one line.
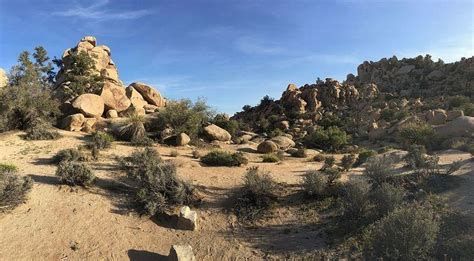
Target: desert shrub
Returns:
[[69, 155], [270, 158], [101, 140], [330, 120], [314, 184], [300, 153], [275, 133], [386, 198], [222, 120], [259, 193], [468, 109], [174, 153], [378, 170], [332, 175], [75, 173], [224, 158], [348, 161], [183, 116], [41, 132], [196, 154], [458, 100], [13, 189], [133, 129], [407, 233], [157, 186], [329, 162], [356, 205], [331, 139], [416, 133], [142, 141], [455, 239], [364, 155], [319, 157], [419, 161]]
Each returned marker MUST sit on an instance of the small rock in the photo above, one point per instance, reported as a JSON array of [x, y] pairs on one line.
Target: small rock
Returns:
[[111, 114], [187, 219]]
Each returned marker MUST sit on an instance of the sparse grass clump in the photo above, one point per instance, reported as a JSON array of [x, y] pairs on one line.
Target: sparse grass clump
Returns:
[[332, 174], [329, 162], [8, 168], [259, 194], [378, 170], [75, 173], [364, 155], [314, 184], [143, 141], [69, 155], [417, 134], [13, 189], [224, 158], [407, 233], [157, 186], [174, 153], [270, 158], [300, 153], [101, 140]]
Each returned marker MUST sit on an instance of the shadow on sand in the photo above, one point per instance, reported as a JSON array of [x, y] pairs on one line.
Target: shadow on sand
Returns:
[[143, 255]]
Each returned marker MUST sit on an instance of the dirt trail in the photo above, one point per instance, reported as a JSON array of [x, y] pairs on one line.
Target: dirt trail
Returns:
[[58, 222]]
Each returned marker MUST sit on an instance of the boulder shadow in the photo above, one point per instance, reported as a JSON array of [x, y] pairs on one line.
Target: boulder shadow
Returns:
[[48, 180], [143, 255], [165, 220], [248, 150]]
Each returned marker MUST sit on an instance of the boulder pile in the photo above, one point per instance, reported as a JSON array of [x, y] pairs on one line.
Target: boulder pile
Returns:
[[113, 100]]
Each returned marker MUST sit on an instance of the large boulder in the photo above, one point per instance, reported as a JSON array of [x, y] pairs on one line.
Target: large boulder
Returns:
[[73, 122], [151, 95], [135, 97], [436, 117], [181, 253], [89, 104], [459, 127], [215, 132], [3, 78], [267, 146], [454, 114], [115, 97], [283, 142], [182, 139]]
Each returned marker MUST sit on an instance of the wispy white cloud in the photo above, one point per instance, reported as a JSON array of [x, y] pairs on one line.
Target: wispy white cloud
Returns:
[[97, 12], [253, 45]]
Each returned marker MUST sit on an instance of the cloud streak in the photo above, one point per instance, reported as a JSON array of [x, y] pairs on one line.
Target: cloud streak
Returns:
[[97, 12]]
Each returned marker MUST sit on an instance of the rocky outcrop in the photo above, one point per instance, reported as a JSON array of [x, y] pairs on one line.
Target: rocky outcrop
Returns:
[[151, 95], [89, 104], [215, 132], [459, 127], [181, 253], [135, 97], [115, 97], [73, 122], [283, 142], [3, 78]]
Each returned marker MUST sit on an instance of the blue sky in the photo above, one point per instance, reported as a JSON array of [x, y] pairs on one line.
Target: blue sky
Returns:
[[234, 52]]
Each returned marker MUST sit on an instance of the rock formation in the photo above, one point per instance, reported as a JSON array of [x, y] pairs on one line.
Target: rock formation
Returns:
[[3, 78]]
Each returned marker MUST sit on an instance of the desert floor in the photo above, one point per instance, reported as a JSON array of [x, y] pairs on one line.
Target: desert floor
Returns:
[[63, 223]]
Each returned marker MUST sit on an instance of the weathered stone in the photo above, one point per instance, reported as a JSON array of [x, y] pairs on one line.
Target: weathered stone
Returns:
[[151, 95], [187, 219], [3, 78], [436, 117], [150, 108], [115, 97], [90, 39], [135, 97], [73, 122], [460, 127], [132, 111], [215, 132], [89, 104], [111, 114], [182, 139], [283, 142], [267, 146], [454, 114], [181, 253], [89, 124]]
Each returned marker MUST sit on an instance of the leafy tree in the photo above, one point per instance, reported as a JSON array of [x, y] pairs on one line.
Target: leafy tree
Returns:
[[81, 73]]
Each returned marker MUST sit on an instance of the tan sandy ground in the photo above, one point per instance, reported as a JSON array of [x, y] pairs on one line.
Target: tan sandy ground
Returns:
[[62, 223]]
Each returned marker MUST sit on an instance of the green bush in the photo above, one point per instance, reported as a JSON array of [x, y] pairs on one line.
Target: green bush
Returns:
[[386, 198], [75, 173], [417, 159], [69, 155], [356, 205], [224, 158], [174, 153], [223, 121], [259, 193], [142, 141], [332, 175], [41, 132], [348, 161], [416, 133], [364, 155], [314, 184], [331, 139], [13, 189], [156, 184], [458, 101], [329, 162], [101, 140], [183, 116], [319, 158], [455, 237], [407, 233], [468, 109], [379, 170], [270, 158]]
